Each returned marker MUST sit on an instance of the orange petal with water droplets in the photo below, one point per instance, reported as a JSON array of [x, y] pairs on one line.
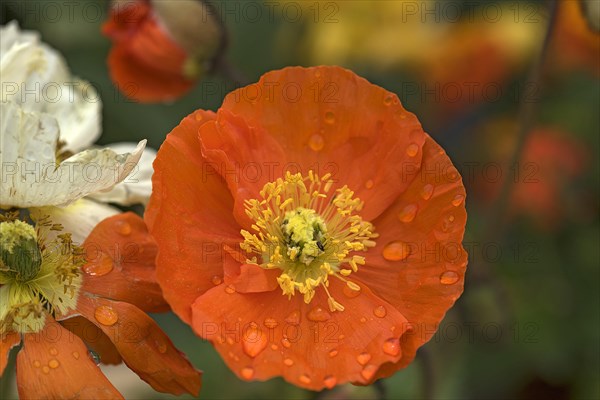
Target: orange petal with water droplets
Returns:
[[144, 347], [190, 243], [310, 354], [419, 285], [132, 276], [9, 340], [54, 363]]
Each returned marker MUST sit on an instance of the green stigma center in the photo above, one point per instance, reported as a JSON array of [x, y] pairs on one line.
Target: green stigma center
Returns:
[[304, 234], [20, 254]]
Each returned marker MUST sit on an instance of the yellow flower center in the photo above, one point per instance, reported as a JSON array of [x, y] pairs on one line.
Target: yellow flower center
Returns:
[[307, 234], [37, 276]]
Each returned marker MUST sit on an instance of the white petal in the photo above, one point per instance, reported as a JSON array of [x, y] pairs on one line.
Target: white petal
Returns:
[[30, 175], [137, 187], [78, 219], [11, 34], [36, 76]]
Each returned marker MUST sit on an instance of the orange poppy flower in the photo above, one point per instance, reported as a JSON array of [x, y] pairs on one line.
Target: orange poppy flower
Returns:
[[309, 228], [161, 48], [74, 298]]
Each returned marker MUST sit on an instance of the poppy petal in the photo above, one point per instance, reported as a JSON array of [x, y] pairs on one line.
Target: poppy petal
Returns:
[[262, 335], [94, 338], [9, 341], [419, 262], [189, 215], [337, 120], [120, 262], [144, 347], [54, 363]]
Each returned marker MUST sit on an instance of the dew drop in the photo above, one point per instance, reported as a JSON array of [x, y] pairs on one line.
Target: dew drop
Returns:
[[388, 99], [123, 228], [293, 318], [161, 346], [274, 347], [316, 142], [363, 358], [254, 341], [45, 369], [379, 311], [427, 191], [449, 278], [349, 293], [457, 200], [106, 315], [330, 117], [36, 364], [408, 213], [369, 184], [412, 150], [229, 289], [53, 363], [216, 280], [288, 362], [305, 379], [230, 340], [285, 342], [391, 347], [270, 323], [318, 314], [198, 117], [247, 373], [329, 381], [396, 251], [75, 355], [363, 320], [100, 267], [53, 351], [333, 353], [368, 372]]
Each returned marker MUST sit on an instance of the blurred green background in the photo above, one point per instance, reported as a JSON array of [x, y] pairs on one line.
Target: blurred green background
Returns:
[[528, 323]]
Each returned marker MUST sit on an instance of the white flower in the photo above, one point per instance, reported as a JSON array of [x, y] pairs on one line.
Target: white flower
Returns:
[[49, 121]]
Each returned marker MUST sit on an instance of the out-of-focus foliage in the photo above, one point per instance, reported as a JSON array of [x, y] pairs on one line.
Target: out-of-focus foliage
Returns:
[[528, 323]]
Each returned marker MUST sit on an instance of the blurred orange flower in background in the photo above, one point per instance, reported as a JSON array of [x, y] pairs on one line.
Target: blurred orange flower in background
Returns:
[[95, 296], [161, 48], [309, 229]]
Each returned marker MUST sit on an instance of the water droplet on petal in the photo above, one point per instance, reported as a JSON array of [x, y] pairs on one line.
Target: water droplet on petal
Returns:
[[349, 293], [106, 315], [391, 347], [305, 379], [363, 320], [427, 191], [254, 341], [123, 227], [216, 280], [99, 267], [53, 363], [53, 351], [380, 311], [271, 323], [368, 372], [408, 213], [369, 184], [293, 318], [288, 362], [198, 117], [363, 358], [449, 278], [329, 381], [412, 149], [37, 364], [333, 353], [330, 117], [396, 251], [229, 289], [286, 343], [161, 346], [75, 355], [318, 314], [387, 100], [247, 373], [45, 369], [457, 200], [274, 347], [316, 142]]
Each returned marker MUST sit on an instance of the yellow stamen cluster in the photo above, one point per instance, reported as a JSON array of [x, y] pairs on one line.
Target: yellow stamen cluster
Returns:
[[308, 234], [31, 288]]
